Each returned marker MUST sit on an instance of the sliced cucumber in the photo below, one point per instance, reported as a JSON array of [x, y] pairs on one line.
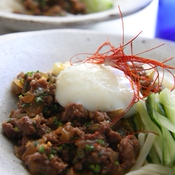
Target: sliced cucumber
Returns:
[[153, 157], [168, 148], [97, 5], [144, 151], [158, 114], [149, 125], [167, 99], [155, 111]]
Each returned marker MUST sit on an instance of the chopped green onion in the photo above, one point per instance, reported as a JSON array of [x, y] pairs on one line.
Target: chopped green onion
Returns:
[[89, 148], [53, 151], [35, 143], [57, 123], [116, 162], [55, 107], [101, 141], [25, 105], [60, 148], [39, 99], [21, 80], [42, 3], [41, 149], [20, 96], [51, 156], [87, 124], [9, 120], [96, 168], [29, 74], [16, 129]]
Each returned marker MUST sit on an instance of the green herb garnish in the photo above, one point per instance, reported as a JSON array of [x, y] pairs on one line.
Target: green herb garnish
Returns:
[[101, 141], [39, 99], [29, 74], [89, 148], [35, 143], [42, 3], [60, 148], [95, 168], [41, 149], [9, 120], [21, 80], [87, 124], [20, 96], [51, 156], [16, 129], [57, 123], [116, 162], [53, 151], [25, 105]]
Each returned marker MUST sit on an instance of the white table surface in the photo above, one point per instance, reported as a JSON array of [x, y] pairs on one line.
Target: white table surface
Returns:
[[144, 20]]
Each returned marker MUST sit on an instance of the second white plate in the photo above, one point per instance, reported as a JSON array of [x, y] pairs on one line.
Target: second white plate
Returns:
[[20, 22]]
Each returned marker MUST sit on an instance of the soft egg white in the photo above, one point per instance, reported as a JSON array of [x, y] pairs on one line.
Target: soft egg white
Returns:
[[96, 87]]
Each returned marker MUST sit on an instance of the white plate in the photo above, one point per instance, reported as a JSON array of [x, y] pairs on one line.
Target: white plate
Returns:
[[38, 51], [22, 22]]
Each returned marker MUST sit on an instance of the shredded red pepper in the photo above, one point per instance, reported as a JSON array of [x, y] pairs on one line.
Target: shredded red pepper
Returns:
[[132, 67]]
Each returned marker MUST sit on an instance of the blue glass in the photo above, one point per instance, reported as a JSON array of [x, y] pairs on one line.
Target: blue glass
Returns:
[[165, 28]]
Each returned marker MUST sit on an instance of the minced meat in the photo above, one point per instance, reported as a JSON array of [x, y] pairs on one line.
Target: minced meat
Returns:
[[55, 140], [54, 7]]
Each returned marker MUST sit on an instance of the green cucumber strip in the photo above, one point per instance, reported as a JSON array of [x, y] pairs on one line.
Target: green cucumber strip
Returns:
[[97, 5], [149, 125], [167, 99], [153, 156], [152, 105], [164, 122], [168, 148], [152, 169], [144, 151]]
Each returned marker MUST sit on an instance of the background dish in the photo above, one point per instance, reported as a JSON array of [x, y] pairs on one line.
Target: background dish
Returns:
[[39, 50], [27, 22]]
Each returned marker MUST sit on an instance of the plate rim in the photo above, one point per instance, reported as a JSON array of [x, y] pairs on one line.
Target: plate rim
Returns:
[[73, 19], [10, 36], [14, 36]]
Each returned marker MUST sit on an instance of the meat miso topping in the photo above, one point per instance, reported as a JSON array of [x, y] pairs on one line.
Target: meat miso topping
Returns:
[[54, 7], [55, 140]]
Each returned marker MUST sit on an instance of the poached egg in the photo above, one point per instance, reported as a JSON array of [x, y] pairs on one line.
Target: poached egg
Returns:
[[96, 87]]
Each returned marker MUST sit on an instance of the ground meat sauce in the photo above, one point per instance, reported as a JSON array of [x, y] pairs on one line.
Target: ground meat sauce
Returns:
[[54, 7], [52, 140]]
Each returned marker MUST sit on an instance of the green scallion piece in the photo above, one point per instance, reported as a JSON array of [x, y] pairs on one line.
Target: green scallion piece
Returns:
[[89, 148], [95, 168], [41, 149]]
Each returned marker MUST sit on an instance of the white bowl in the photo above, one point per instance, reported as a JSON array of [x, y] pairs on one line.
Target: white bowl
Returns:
[[33, 51], [21, 22]]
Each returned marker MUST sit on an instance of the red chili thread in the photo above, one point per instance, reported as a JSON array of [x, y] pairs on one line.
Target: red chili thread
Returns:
[[131, 66]]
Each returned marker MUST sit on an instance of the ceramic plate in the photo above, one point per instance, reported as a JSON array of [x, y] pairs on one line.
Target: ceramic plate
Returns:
[[33, 51], [27, 22]]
